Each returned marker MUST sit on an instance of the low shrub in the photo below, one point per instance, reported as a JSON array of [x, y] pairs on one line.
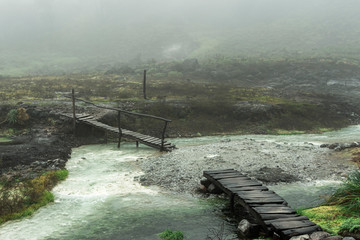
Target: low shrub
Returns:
[[348, 195], [351, 225], [21, 199], [171, 235]]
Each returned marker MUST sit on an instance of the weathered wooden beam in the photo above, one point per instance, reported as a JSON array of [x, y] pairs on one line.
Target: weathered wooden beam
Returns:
[[73, 108], [163, 136], [119, 127], [144, 84]]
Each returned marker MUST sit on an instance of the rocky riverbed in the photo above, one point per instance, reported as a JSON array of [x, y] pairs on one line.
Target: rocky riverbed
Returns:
[[267, 161]]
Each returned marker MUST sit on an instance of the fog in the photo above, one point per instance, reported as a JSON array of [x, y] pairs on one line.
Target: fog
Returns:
[[57, 33]]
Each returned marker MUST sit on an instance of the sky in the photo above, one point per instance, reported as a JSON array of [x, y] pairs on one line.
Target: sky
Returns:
[[121, 30]]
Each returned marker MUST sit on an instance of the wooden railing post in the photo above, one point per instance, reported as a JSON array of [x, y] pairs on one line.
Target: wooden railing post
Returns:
[[119, 127], [163, 137], [144, 84], [73, 108]]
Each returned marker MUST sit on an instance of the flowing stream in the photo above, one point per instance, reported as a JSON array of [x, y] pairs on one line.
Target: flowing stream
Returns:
[[101, 200]]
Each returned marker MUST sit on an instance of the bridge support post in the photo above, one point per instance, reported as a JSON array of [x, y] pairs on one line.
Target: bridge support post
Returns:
[[163, 137], [232, 202], [119, 127], [144, 84], [73, 108]]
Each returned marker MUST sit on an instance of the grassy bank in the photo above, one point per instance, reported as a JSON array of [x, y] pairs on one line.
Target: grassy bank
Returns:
[[340, 216], [22, 199]]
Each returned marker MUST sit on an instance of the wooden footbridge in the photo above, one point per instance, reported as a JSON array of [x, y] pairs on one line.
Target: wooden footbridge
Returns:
[[269, 210], [88, 119]]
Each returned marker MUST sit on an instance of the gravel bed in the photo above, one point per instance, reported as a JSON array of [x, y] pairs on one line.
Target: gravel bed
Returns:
[[269, 162]]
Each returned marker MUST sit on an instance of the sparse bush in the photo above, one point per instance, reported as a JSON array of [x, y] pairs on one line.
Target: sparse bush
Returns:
[[18, 116], [12, 116], [22, 116], [171, 235], [348, 195]]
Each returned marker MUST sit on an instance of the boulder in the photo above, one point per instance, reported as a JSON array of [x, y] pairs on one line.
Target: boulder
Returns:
[[301, 237], [333, 145], [214, 189], [247, 229], [349, 238], [333, 238], [319, 235]]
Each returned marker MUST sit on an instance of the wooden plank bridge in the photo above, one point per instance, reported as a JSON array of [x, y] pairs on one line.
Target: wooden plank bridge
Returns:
[[151, 141], [269, 210]]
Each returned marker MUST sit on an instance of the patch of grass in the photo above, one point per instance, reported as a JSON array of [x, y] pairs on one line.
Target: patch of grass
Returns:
[[5, 139], [329, 218], [61, 174], [22, 199], [171, 235], [342, 214], [348, 195]]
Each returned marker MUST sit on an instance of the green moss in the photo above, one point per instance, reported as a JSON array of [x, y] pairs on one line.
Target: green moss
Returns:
[[5, 139], [329, 218], [22, 199]]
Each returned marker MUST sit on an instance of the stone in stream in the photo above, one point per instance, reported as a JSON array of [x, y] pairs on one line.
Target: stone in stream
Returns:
[[319, 235], [333, 238], [213, 189], [247, 229], [301, 237]]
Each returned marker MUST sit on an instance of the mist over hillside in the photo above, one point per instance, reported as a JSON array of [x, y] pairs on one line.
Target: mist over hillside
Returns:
[[60, 36]]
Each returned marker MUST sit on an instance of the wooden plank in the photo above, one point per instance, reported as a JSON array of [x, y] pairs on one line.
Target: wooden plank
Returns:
[[277, 216], [257, 194], [265, 201], [267, 205], [232, 179], [268, 222], [250, 188], [219, 171], [231, 175], [285, 225], [277, 210], [242, 184], [287, 234]]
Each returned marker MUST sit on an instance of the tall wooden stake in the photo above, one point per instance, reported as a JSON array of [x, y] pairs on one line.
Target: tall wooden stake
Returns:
[[119, 127], [73, 106], [144, 84], [163, 137]]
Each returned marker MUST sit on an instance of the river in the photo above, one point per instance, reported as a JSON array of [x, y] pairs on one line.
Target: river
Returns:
[[101, 200]]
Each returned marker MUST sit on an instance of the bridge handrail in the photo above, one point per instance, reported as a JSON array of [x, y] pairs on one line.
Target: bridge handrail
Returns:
[[120, 110], [166, 121]]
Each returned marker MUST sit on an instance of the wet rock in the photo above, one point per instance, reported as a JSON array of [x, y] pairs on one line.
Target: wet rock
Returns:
[[247, 229], [333, 145], [301, 237], [319, 235], [244, 227], [205, 182], [349, 238], [333, 238], [214, 189], [324, 145]]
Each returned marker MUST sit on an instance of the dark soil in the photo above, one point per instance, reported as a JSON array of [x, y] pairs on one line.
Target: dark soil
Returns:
[[44, 143]]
